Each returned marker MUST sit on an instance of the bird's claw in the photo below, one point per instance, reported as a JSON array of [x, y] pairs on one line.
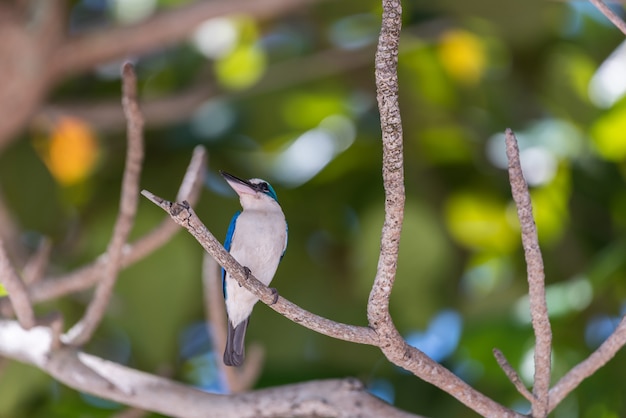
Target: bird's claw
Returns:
[[275, 294], [247, 272]]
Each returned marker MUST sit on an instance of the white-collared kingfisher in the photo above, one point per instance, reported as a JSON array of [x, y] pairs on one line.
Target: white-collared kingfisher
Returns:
[[257, 239]]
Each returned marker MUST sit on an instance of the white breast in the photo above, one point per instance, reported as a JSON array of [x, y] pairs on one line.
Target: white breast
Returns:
[[258, 243]]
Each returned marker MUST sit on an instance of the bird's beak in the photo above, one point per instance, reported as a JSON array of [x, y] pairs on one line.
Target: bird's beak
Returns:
[[239, 185]]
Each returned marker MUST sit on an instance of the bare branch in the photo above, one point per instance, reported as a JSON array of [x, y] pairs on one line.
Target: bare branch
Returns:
[[589, 366], [393, 168], [167, 28], [510, 372], [184, 215], [606, 11], [536, 278], [342, 398], [16, 290], [84, 329]]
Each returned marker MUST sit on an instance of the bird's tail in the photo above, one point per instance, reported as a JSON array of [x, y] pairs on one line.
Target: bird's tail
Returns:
[[234, 352]]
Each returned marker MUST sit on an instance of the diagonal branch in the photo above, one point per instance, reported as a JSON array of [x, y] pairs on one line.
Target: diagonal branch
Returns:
[[536, 278], [84, 329], [185, 216], [589, 366], [510, 372], [606, 11]]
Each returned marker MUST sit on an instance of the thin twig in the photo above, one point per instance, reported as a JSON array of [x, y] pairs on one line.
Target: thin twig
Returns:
[[16, 289], [510, 372], [84, 329], [606, 11], [589, 366], [185, 216], [536, 278]]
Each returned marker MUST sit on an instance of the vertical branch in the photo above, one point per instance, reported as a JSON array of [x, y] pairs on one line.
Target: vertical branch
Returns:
[[536, 278], [386, 62], [18, 293], [84, 329]]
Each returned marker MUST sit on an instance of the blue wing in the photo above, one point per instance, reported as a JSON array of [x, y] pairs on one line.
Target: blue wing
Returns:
[[227, 243]]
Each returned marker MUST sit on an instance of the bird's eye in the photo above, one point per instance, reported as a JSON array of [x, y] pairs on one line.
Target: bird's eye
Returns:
[[264, 187]]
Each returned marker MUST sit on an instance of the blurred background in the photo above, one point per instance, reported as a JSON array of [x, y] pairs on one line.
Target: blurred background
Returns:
[[292, 100]]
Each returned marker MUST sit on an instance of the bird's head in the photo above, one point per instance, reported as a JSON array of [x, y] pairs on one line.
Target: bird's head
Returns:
[[253, 193]]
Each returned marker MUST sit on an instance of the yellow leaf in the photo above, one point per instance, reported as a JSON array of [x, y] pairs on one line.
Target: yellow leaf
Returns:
[[71, 152], [462, 55], [480, 222]]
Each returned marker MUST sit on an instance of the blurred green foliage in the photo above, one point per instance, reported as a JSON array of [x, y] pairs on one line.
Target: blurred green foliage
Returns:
[[467, 71]]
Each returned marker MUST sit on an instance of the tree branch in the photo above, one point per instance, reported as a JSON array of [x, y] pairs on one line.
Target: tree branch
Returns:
[[84, 329], [589, 366], [606, 11], [185, 216], [510, 372], [342, 398], [536, 279], [393, 169]]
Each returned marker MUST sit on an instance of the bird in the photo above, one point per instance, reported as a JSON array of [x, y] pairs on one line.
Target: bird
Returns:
[[257, 239]]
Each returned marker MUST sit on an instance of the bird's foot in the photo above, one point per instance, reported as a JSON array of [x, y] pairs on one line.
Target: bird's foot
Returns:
[[275, 294]]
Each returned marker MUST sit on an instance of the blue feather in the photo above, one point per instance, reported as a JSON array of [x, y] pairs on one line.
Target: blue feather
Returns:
[[227, 243]]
